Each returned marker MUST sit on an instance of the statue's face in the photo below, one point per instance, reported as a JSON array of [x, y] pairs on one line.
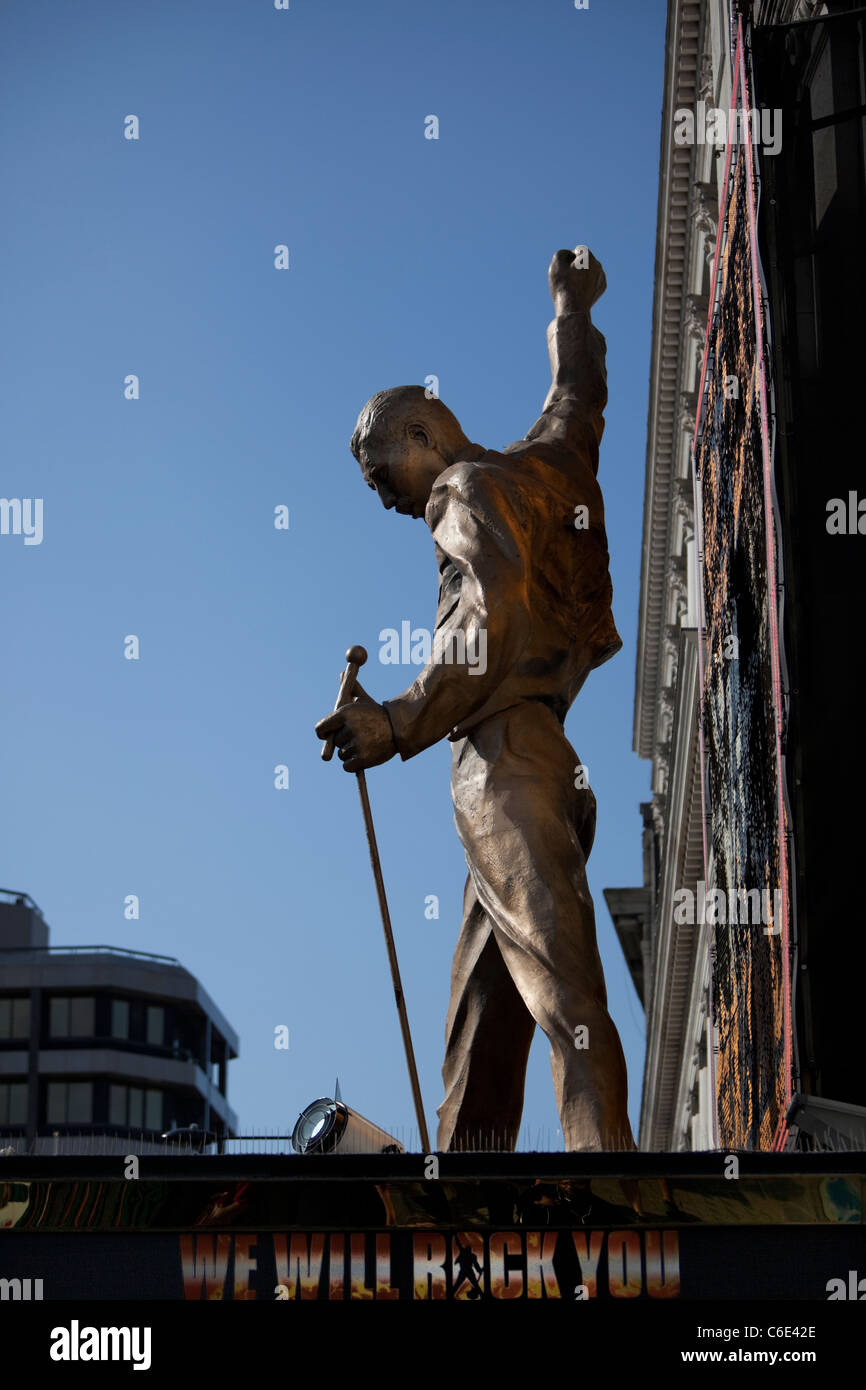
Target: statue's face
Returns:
[[403, 472]]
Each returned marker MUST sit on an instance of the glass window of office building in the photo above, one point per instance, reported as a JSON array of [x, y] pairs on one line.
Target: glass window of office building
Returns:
[[15, 1017], [71, 1017], [69, 1103], [155, 1025], [120, 1018], [135, 1107], [13, 1102]]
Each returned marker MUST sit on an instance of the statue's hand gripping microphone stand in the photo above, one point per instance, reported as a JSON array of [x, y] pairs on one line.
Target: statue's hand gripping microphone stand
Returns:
[[355, 657]]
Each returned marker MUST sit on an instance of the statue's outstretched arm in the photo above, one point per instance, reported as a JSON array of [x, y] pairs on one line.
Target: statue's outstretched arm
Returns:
[[573, 414]]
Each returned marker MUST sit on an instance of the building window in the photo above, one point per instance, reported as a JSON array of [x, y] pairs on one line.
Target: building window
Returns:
[[15, 1017], [71, 1017], [136, 1107], [70, 1103], [131, 1107], [13, 1103], [117, 1105], [120, 1018], [153, 1109], [155, 1025]]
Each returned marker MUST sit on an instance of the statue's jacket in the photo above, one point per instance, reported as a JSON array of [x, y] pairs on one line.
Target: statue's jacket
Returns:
[[524, 580]]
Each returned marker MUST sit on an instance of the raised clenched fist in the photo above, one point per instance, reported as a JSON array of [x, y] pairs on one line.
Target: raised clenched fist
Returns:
[[576, 280]]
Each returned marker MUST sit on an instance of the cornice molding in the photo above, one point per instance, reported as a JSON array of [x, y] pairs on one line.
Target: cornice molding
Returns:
[[673, 958], [681, 86]]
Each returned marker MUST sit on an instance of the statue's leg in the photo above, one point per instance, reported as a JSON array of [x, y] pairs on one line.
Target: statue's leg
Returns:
[[521, 820], [487, 1040]]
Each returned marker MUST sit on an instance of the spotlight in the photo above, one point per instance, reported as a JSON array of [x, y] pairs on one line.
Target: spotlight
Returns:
[[190, 1137], [327, 1125]]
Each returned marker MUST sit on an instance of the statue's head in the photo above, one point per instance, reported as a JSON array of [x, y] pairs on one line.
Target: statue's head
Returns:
[[403, 440]]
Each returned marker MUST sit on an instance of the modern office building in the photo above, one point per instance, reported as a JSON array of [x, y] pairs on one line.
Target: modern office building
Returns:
[[743, 938], [102, 1044]]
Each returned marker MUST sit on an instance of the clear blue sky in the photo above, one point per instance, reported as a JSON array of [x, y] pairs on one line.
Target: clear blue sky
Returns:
[[408, 257]]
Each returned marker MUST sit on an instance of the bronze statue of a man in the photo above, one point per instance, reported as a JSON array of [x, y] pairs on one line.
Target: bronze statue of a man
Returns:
[[523, 564]]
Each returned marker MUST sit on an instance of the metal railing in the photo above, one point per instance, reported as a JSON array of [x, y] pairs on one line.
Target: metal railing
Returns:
[[92, 950]]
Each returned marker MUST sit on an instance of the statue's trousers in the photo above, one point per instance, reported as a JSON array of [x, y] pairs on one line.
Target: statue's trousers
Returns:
[[527, 951]]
